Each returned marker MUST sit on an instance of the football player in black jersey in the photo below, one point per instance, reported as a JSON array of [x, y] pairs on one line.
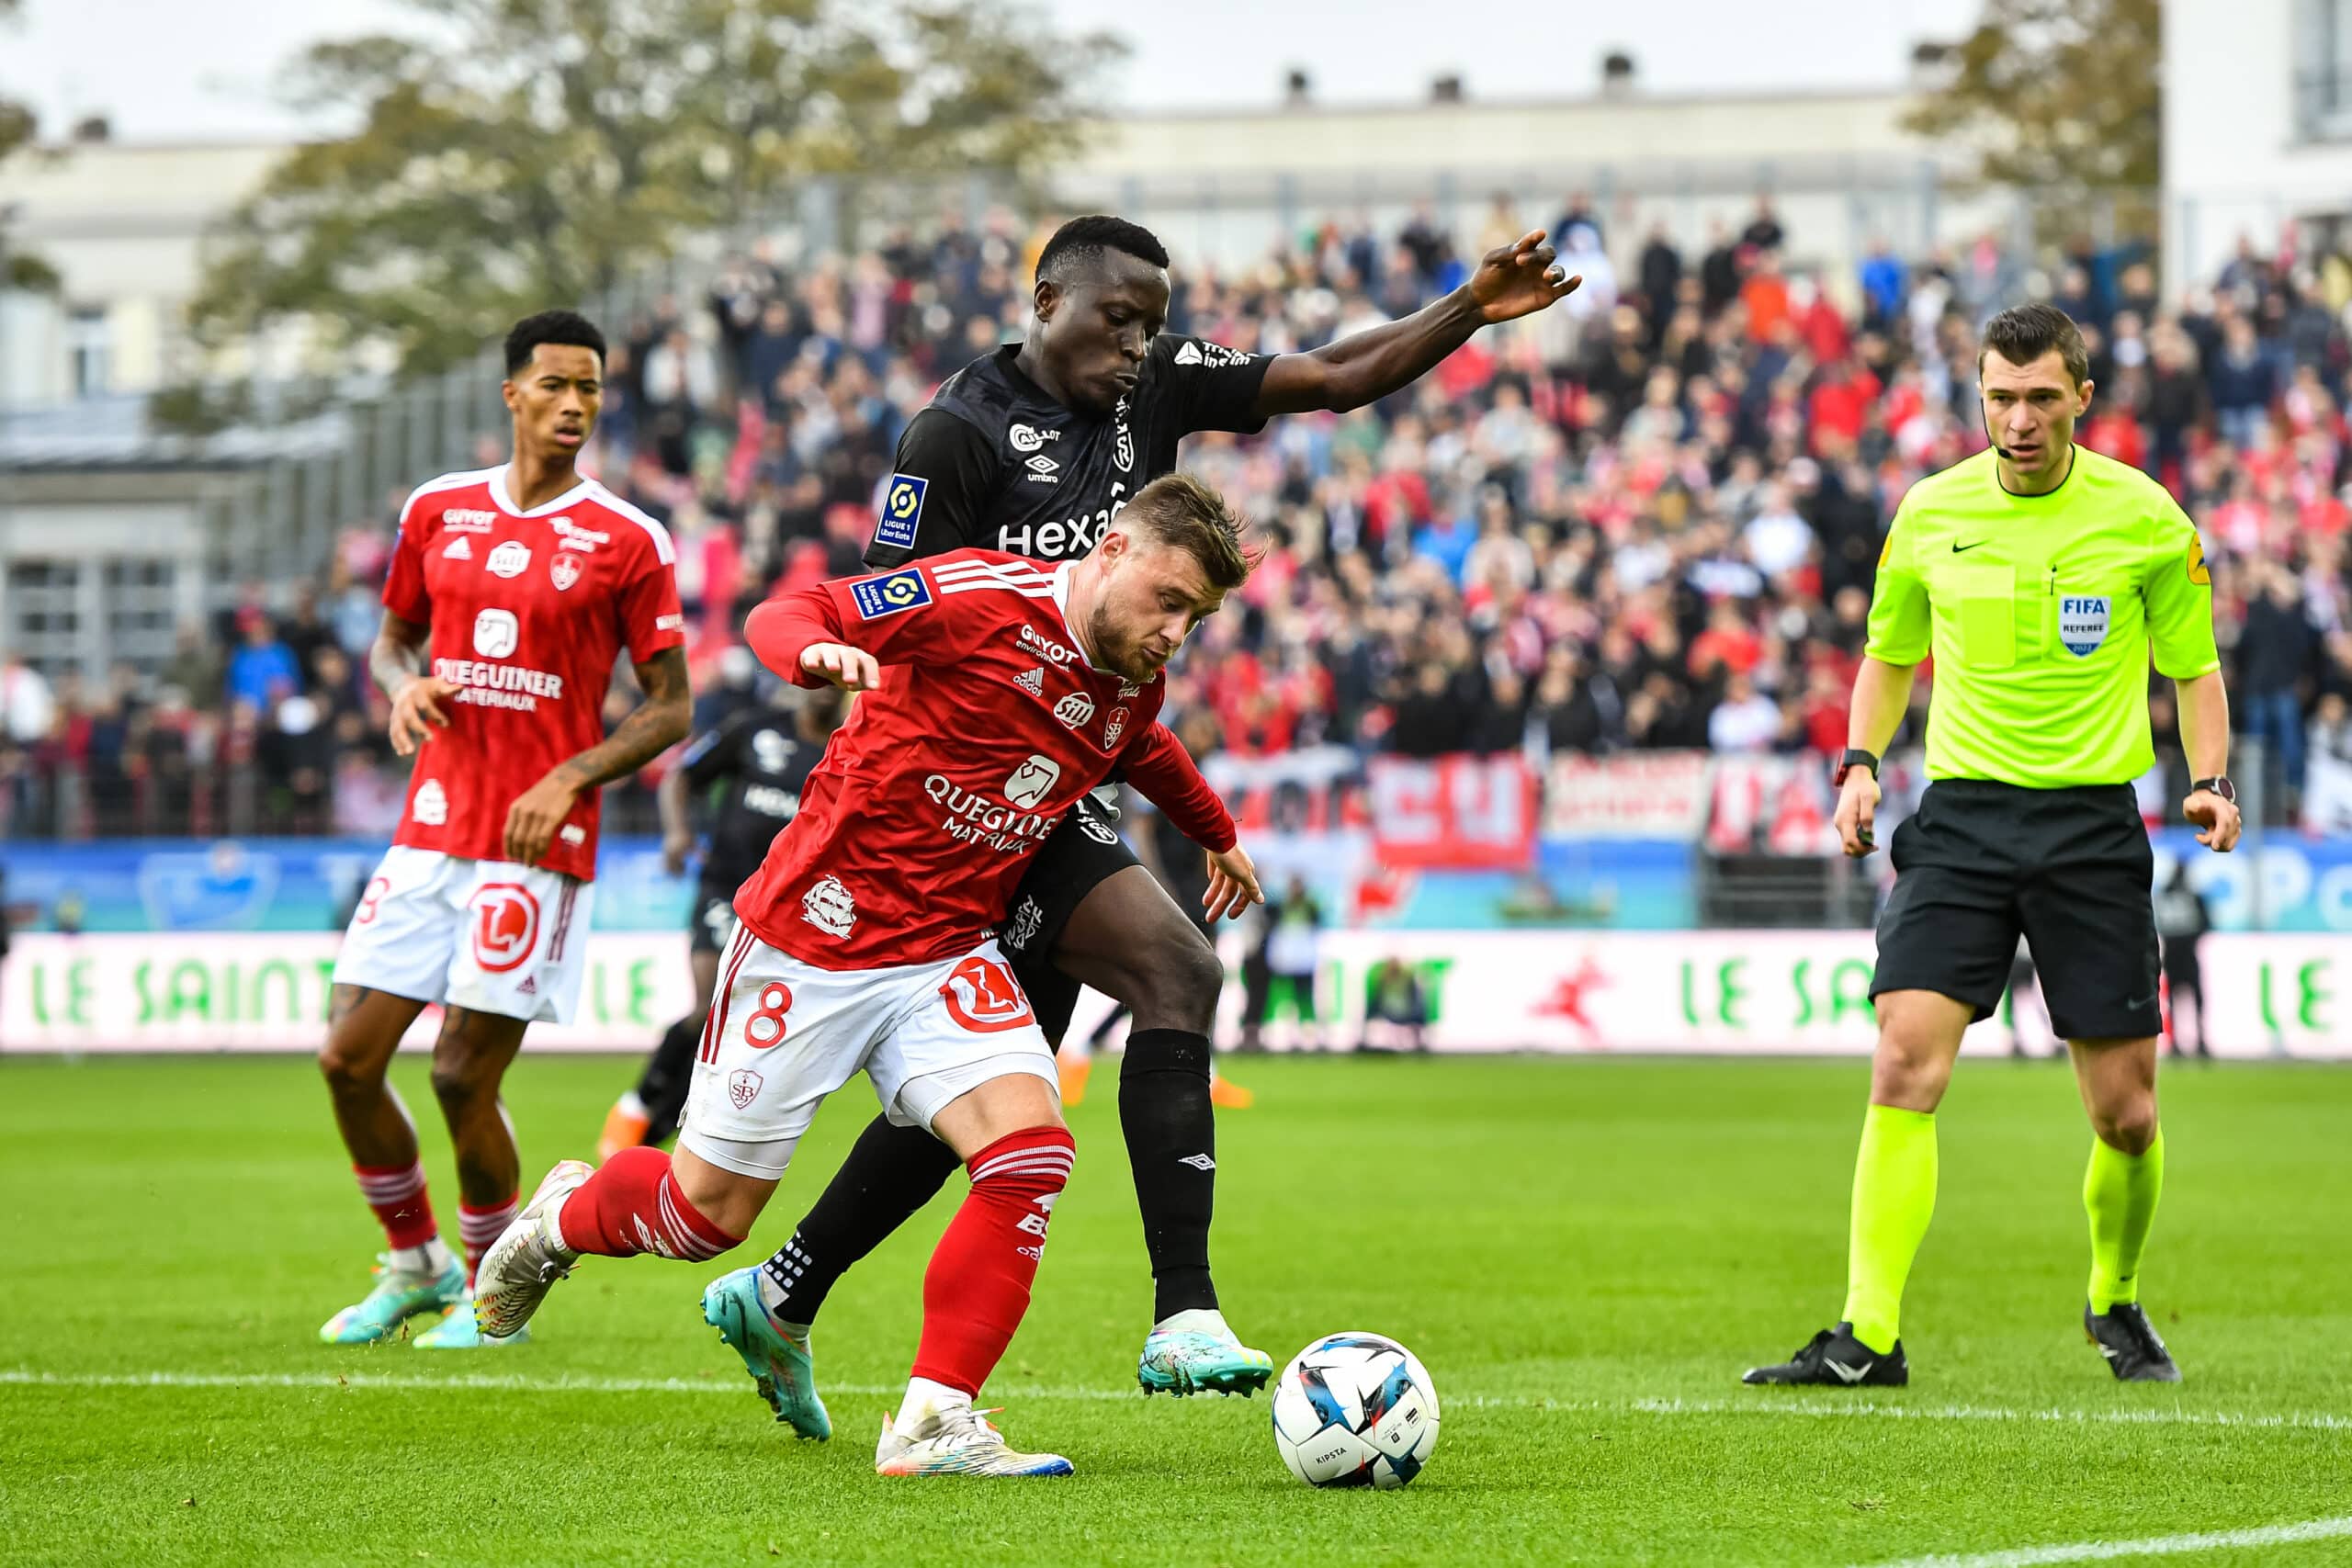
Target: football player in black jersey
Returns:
[[762, 755], [1032, 449]]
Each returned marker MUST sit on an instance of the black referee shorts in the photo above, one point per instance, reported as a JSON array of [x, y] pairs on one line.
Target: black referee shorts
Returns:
[[1979, 863], [1080, 856]]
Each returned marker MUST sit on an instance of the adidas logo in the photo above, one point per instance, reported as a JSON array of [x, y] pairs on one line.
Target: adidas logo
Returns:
[[529, 987], [461, 548], [1033, 682]]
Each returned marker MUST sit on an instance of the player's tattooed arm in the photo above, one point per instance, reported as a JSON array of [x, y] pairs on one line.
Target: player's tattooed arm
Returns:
[[655, 725], [1512, 281], [396, 663]]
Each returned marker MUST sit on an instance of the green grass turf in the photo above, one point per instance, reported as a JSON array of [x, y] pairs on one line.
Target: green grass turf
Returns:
[[1560, 1241]]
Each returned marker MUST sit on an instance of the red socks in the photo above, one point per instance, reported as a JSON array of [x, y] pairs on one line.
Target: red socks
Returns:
[[633, 1204], [976, 1287], [479, 1227], [397, 1194]]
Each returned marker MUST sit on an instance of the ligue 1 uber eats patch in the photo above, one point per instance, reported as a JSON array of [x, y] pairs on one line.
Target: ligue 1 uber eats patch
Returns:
[[2082, 623]]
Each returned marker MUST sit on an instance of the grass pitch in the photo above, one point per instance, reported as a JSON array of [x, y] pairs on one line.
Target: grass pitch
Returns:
[[1586, 1254]]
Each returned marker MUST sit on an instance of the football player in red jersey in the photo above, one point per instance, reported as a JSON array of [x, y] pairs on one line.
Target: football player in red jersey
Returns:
[[867, 942], [512, 592]]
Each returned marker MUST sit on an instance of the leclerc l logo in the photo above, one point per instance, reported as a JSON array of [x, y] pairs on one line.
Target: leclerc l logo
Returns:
[[503, 919], [983, 997]]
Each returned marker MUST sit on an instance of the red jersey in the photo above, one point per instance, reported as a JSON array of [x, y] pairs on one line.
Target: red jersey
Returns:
[[529, 612], [922, 817]]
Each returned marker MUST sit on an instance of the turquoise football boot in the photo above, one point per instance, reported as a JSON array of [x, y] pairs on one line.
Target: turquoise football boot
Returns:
[[779, 1364], [1194, 1352], [398, 1296], [462, 1331]]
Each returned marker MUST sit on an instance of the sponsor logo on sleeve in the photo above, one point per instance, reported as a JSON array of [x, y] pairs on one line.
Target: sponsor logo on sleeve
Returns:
[[511, 559], [828, 907], [496, 633], [669, 623], [1212, 355], [889, 593], [2197, 573], [902, 510]]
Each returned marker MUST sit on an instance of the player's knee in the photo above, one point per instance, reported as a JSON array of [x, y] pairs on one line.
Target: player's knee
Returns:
[[460, 1079], [347, 1069], [1177, 984], [2129, 1126]]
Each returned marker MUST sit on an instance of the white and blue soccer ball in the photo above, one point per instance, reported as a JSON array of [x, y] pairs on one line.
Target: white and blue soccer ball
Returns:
[[1355, 1410]]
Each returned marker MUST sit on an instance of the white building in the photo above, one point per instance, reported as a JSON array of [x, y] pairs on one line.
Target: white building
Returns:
[[2257, 125]]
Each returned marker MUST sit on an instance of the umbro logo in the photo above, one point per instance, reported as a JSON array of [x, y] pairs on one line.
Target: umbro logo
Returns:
[[1034, 682], [1198, 1162], [461, 548], [1849, 1374]]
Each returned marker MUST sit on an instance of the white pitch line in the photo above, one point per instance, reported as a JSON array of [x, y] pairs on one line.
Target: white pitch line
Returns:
[[23, 1377], [2158, 1546]]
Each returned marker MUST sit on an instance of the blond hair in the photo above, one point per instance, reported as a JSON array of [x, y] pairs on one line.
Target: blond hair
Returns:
[[1180, 511]]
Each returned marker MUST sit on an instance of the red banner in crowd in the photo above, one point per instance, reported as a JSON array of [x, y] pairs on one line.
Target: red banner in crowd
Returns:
[[1465, 812]]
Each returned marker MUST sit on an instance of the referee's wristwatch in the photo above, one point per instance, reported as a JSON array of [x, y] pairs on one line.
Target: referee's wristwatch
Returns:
[[2218, 784], [1855, 757]]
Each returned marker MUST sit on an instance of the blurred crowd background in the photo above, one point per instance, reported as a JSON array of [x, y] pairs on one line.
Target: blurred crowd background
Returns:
[[1646, 519]]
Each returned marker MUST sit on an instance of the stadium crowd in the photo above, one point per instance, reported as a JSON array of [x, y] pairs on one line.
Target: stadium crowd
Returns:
[[1647, 518]]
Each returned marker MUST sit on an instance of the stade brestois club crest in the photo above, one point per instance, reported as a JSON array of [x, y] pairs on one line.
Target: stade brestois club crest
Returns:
[[2082, 623]]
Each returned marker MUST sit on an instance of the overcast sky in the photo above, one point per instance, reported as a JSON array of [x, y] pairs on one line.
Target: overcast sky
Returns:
[[200, 68]]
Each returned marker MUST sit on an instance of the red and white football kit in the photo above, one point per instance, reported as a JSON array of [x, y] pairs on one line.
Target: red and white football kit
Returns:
[[529, 612], [866, 938]]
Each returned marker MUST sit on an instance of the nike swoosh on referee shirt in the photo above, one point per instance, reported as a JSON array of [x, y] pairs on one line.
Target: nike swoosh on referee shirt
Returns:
[[1957, 547]]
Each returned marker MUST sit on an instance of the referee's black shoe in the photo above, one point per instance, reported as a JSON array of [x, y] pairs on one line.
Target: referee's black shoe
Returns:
[[1835, 1359], [2134, 1351]]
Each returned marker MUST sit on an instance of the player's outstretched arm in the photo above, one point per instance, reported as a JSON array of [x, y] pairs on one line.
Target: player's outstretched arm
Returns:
[[655, 725], [396, 663], [1512, 281]]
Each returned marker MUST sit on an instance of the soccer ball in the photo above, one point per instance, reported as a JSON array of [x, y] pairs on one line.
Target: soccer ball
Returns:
[[1355, 1410]]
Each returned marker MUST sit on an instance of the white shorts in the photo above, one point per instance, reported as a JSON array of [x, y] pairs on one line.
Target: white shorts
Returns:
[[485, 934], [783, 1035]]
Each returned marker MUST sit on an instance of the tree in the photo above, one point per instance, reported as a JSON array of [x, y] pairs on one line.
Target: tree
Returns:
[[537, 152], [18, 269], [2056, 95]]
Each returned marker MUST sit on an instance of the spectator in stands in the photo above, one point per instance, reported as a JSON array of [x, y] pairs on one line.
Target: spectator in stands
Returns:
[[263, 668], [2274, 645]]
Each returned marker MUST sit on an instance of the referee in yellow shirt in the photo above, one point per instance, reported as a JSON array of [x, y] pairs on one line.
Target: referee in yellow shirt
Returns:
[[2042, 578]]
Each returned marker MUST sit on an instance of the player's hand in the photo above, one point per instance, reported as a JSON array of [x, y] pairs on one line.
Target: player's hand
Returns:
[[851, 668], [536, 814], [1233, 885], [1518, 280], [2218, 818], [1857, 812], [675, 848], [418, 706]]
